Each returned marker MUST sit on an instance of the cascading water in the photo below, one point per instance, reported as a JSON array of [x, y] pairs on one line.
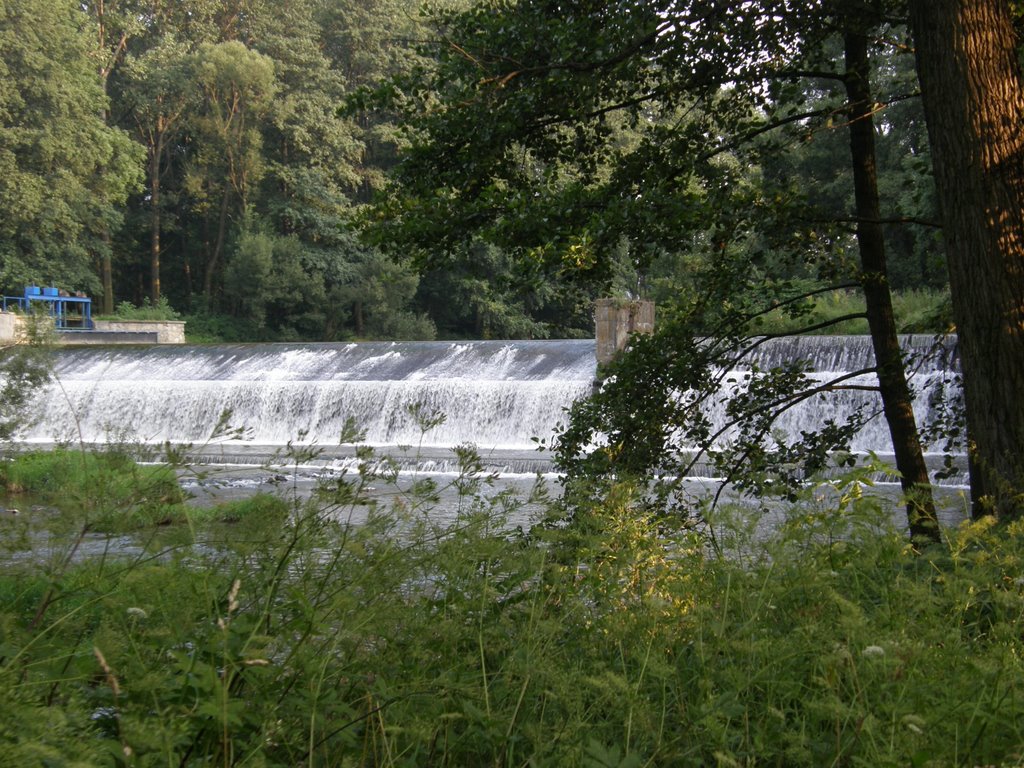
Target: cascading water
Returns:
[[493, 394], [497, 395], [931, 367]]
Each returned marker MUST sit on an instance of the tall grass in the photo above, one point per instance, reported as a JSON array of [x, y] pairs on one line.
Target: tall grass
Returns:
[[613, 641]]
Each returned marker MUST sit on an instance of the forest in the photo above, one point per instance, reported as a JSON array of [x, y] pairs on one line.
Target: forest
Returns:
[[352, 169], [227, 161]]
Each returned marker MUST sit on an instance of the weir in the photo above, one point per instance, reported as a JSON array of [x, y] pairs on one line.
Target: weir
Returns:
[[496, 395]]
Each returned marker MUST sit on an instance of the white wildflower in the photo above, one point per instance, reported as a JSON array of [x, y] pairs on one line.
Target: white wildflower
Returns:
[[136, 613], [873, 652], [233, 595], [914, 724]]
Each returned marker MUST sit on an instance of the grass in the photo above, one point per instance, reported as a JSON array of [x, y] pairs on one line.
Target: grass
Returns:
[[614, 641], [109, 490], [922, 311]]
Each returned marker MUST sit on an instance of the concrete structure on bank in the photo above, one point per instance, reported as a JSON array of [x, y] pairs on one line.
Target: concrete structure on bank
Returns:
[[615, 320], [13, 331], [164, 331]]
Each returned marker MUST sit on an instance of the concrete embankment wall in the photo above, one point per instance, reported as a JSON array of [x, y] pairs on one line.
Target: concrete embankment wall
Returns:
[[167, 331], [13, 331], [11, 328], [107, 337], [615, 320]]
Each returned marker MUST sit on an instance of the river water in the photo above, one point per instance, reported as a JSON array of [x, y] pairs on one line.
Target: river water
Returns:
[[252, 414], [417, 400]]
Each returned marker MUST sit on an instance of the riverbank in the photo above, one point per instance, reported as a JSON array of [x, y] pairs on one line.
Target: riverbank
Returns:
[[613, 640]]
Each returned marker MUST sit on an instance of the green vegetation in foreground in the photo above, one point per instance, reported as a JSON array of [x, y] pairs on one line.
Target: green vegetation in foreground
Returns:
[[111, 492], [607, 642]]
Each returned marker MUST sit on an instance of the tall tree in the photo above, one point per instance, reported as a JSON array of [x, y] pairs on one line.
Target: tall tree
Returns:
[[897, 401], [519, 136], [115, 22], [970, 72], [237, 85], [64, 173], [160, 91]]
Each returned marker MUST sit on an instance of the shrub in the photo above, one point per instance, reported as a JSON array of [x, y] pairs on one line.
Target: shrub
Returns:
[[161, 310], [920, 311]]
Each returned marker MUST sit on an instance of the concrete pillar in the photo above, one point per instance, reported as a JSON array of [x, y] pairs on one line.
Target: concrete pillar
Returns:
[[615, 320]]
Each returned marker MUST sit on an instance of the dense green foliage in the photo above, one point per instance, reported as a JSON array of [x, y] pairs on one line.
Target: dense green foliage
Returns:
[[64, 173], [404, 640], [111, 487], [196, 152], [623, 145]]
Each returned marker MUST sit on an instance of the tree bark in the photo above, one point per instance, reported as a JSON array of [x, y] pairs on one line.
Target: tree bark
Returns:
[[214, 260], [156, 149], [357, 317], [107, 274], [897, 402], [973, 98]]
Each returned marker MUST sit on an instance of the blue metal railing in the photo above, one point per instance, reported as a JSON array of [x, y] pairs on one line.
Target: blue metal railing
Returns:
[[68, 312]]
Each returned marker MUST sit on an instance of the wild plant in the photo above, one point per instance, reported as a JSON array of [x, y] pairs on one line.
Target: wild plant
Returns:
[[356, 627]]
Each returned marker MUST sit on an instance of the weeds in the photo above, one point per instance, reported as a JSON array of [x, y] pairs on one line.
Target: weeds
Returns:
[[613, 641], [917, 311]]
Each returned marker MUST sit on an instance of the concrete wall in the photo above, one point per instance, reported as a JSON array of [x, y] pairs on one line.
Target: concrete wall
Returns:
[[167, 331], [14, 327], [615, 320], [10, 327], [12, 331], [106, 337]]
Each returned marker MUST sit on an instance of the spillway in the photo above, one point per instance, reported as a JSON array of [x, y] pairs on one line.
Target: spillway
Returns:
[[493, 394], [496, 395]]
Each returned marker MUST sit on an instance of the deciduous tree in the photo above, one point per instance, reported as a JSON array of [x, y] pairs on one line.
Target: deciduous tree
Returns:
[[969, 66], [563, 131], [64, 173]]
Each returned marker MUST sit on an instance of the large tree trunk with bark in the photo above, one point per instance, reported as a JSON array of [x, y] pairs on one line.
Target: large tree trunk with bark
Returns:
[[897, 402], [974, 105]]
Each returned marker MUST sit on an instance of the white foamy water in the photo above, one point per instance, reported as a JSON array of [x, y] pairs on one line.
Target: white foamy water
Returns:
[[493, 394], [497, 395]]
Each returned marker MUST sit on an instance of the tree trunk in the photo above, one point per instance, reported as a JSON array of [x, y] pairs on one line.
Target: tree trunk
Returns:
[[897, 402], [214, 260], [973, 97], [107, 260], [156, 149], [107, 270]]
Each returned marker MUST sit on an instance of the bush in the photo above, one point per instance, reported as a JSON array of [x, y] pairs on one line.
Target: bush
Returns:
[[161, 310], [922, 311]]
